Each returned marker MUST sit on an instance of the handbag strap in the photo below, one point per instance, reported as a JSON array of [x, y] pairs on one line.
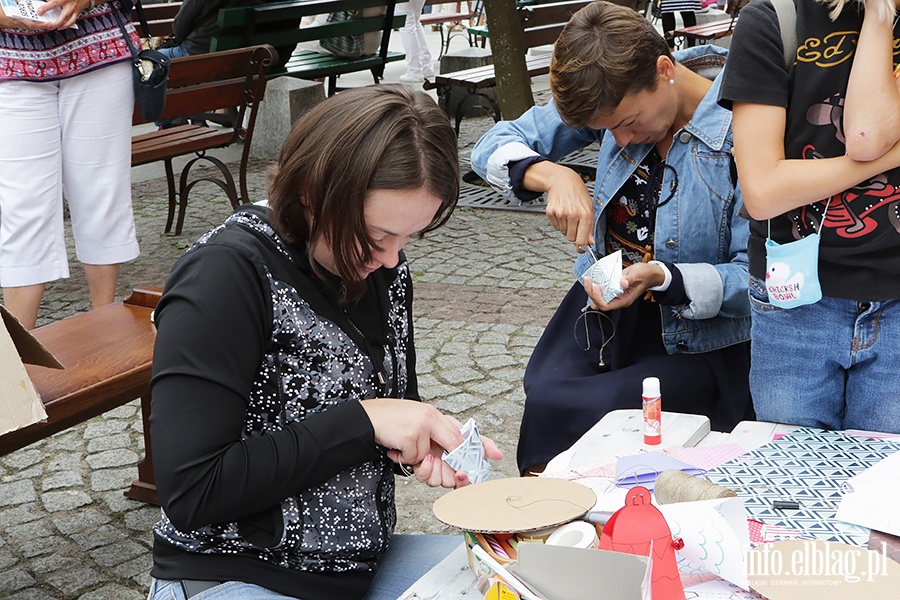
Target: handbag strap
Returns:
[[117, 15]]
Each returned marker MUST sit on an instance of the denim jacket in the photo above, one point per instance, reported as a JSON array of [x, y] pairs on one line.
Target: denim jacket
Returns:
[[697, 223]]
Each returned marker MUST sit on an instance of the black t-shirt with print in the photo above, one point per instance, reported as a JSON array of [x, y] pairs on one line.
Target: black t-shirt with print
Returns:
[[860, 242]]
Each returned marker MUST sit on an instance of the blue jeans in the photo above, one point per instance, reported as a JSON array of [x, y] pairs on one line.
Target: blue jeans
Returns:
[[178, 51], [409, 557], [831, 365]]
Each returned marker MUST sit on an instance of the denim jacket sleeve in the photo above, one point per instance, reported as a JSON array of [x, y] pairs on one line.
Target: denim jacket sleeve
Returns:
[[720, 289], [540, 131]]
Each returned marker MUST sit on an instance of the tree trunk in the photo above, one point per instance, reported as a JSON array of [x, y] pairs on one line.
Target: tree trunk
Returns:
[[508, 48]]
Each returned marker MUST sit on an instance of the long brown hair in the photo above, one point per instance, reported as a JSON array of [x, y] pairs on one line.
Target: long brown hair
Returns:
[[382, 137]]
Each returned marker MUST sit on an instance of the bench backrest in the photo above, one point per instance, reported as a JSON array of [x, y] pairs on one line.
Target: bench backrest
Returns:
[[542, 23], [207, 82], [277, 23], [160, 17]]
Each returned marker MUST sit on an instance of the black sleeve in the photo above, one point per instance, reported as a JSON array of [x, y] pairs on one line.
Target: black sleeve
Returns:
[[755, 70], [675, 294], [213, 329], [517, 170], [188, 17]]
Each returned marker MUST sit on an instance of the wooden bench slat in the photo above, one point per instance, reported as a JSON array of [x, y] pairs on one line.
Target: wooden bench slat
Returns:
[[159, 145]]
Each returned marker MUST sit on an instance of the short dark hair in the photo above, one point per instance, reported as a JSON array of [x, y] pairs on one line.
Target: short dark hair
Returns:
[[604, 53], [381, 137]]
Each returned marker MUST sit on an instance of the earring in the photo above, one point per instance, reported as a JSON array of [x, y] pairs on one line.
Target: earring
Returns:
[[671, 82]]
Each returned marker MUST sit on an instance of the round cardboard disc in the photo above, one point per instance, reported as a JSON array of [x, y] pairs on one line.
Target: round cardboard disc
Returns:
[[514, 504], [818, 570]]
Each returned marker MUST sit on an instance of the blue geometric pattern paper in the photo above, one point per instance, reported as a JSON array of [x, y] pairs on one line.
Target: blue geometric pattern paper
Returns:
[[808, 466]]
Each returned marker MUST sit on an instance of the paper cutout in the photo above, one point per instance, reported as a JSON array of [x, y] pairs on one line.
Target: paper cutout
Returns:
[[715, 535], [871, 497], [643, 469], [469, 456], [639, 528], [606, 273], [706, 457]]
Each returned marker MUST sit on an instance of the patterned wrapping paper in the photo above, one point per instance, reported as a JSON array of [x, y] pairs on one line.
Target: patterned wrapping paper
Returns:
[[808, 466], [469, 456]]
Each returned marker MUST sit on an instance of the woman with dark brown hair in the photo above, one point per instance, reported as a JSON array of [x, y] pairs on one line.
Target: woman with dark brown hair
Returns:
[[284, 387]]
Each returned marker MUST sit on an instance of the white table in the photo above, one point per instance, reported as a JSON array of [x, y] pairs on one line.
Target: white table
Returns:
[[617, 434]]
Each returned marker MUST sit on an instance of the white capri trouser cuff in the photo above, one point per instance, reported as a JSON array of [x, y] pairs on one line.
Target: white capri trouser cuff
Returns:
[[72, 135]]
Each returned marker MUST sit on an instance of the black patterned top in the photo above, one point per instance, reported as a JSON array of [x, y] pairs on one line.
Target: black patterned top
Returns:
[[265, 461]]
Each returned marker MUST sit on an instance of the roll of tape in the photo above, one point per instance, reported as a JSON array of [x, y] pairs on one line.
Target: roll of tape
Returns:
[[576, 534], [537, 536]]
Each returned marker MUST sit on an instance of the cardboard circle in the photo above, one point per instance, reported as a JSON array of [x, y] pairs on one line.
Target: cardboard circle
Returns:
[[514, 504], [819, 570]]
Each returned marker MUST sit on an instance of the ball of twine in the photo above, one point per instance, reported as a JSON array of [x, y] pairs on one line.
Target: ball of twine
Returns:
[[676, 486]]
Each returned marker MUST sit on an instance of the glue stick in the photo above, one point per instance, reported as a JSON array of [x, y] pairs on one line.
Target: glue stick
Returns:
[[652, 404]]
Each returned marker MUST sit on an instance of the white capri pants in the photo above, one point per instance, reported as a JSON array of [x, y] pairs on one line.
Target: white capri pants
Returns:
[[72, 135]]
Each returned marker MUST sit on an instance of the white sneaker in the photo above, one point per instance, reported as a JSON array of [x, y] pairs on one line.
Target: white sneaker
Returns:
[[410, 78]]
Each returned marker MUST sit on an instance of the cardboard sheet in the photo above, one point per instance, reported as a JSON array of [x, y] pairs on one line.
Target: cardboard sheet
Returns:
[[20, 404], [513, 504]]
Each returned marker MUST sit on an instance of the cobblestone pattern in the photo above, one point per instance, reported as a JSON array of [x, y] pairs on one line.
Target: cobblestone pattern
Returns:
[[485, 286]]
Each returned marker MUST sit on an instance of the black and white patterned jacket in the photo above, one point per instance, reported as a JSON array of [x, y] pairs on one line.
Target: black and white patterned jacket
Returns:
[[317, 357]]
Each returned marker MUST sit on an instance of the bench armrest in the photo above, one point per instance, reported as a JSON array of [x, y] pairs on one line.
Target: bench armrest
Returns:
[[144, 295]]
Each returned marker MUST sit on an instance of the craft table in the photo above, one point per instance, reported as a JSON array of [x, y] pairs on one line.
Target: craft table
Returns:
[[618, 433]]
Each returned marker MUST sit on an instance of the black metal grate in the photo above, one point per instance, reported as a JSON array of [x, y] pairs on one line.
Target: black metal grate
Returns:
[[475, 193]]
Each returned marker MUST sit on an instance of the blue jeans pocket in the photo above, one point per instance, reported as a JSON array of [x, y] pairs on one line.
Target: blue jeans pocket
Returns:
[[759, 297]]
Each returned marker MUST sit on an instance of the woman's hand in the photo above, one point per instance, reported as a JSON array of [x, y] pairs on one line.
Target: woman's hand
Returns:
[[434, 472], [69, 13], [417, 434], [570, 207], [635, 282]]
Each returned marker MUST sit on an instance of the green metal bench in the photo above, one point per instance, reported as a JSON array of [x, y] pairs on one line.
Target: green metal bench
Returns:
[[278, 24]]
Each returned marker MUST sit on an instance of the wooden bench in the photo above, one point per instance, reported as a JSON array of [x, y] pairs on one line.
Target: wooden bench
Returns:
[[452, 19], [542, 24], [708, 32], [277, 24], [202, 84], [108, 355], [160, 18]]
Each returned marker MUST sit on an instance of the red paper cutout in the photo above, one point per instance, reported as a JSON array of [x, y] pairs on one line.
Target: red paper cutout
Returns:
[[632, 528]]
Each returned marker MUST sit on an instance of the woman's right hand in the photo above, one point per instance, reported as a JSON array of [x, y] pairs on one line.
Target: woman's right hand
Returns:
[[408, 428], [570, 207]]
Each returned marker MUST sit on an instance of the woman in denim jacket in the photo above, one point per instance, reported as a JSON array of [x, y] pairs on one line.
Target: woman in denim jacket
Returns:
[[665, 196]]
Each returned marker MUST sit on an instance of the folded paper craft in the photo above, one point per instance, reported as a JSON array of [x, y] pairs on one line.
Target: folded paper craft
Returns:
[[607, 274], [469, 456], [643, 469]]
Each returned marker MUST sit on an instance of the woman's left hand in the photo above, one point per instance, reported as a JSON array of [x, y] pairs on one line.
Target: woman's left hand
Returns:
[[434, 472], [69, 14], [636, 280]]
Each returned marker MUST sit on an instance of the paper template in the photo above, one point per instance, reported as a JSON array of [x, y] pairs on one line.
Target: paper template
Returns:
[[808, 466], [642, 469], [870, 501], [715, 535]]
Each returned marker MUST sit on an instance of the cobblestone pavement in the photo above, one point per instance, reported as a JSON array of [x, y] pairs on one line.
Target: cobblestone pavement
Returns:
[[485, 286]]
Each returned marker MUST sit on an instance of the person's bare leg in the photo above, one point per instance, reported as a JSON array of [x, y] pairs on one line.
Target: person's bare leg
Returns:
[[24, 302], [103, 281]]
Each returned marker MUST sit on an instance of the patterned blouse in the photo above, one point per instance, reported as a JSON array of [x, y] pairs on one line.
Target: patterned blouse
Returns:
[[51, 55]]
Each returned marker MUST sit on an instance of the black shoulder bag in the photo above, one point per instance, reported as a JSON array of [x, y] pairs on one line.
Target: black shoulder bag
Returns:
[[150, 73]]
